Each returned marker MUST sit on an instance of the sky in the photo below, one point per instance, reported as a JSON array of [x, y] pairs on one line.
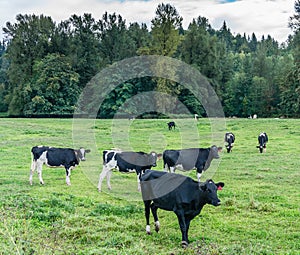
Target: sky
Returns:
[[262, 17]]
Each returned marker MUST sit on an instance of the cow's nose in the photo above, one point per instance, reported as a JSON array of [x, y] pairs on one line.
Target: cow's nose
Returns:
[[83, 159]]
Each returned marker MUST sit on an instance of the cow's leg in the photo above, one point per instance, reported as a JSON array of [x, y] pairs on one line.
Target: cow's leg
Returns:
[[32, 169], [166, 168], [68, 174], [39, 170], [199, 173], [103, 174], [108, 175], [183, 228], [139, 182], [172, 169], [187, 223], [154, 213], [147, 216]]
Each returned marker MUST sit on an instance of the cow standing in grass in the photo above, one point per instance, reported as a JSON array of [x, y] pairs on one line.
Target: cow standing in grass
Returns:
[[262, 140], [55, 157], [188, 159], [229, 139], [171, 125], [125, 162], [177, 193]]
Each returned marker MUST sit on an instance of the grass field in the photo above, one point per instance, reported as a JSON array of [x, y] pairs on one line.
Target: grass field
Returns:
[[260, 208]]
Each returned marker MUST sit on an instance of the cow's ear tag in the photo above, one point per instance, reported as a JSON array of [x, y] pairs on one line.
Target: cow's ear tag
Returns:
[[220, 187]]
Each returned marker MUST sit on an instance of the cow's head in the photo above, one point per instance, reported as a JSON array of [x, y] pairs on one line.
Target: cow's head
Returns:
[[81, 153], [153, 157], [210, 189], [214, 151]]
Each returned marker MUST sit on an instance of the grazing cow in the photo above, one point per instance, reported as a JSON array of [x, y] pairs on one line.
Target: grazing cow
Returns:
[[262, 140], [229, 139], [55, 157], [177, 193], [188, 159], [171, 125], [126, 162]]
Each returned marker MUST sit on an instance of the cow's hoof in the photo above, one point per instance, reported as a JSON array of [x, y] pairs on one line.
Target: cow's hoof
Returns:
[[184, 244], [157, 226], [148, 230]]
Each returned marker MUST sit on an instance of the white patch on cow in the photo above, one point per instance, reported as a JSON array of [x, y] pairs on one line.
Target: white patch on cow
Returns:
[[199, 176], [153, 154], [180, 167], [130, 170], [82, 151], [172, 169]]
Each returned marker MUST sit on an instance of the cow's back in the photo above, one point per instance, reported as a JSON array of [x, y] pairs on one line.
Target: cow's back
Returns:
[[168, 190], [37, 151], [61, 157]]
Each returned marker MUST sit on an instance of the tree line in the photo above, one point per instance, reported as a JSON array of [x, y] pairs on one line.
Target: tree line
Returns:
[[44, 65]]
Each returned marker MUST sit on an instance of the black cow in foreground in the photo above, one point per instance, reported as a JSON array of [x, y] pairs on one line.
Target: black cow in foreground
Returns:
[[177, 193], [188, 159], [262, 140], [126, 162], [55, 157], [229, 139], [171, 125]]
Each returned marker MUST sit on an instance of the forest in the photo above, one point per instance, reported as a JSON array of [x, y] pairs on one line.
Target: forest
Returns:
[[45, 65]]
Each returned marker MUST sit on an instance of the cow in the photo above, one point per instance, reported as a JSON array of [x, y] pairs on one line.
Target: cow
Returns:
[[171, 125], [229, 139], [126, 162], [262, 140], [55, 157], [188, 159], [177, 193]]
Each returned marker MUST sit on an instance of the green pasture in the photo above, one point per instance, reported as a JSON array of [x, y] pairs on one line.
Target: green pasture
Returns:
[[260, 208]]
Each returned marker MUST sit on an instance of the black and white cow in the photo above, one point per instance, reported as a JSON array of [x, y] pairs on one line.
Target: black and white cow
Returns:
[[262, 140], [177, 193], [188, 159], [126, 162], [55, 157], [171, 125], [229, 139]]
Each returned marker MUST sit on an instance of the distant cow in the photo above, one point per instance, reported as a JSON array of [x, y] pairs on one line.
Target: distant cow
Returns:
[[177, 193], [171, 125], [188, 159], [126, 162], [262, 140], [55, 157], [229, 139]]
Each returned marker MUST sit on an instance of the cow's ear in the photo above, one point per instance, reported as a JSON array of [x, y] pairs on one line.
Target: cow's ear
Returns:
[[87, 151], [219, 149], [159, 155], [220, 185]]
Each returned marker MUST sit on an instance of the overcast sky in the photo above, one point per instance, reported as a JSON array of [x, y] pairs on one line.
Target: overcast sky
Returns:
[[263, 17]]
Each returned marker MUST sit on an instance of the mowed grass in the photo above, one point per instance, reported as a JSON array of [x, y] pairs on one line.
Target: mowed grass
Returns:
[[260, 201]]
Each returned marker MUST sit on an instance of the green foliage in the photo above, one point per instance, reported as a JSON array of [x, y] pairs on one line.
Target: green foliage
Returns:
[[250, 75], [53, 88]]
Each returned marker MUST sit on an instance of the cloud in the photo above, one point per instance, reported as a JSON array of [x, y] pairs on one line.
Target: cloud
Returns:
[[262, 17]]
